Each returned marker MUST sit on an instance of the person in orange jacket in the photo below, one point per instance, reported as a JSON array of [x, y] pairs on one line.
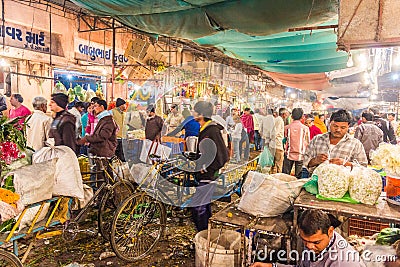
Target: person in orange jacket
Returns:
[[319, 122]]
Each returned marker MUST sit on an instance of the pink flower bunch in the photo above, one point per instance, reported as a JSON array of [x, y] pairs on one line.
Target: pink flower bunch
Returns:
[[10, 152]]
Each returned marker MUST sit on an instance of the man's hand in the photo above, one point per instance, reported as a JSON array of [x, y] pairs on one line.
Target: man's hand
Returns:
[[339, 161], [261, 264], [318, 160], [81, 141]]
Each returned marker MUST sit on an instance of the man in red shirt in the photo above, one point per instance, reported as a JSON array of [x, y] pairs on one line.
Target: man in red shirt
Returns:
[[18, 110], [298, 138]]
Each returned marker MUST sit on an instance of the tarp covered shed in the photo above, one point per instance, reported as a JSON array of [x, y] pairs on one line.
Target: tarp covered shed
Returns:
[[254, 31]]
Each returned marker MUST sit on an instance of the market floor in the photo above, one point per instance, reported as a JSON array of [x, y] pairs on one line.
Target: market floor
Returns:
[[86, 249]]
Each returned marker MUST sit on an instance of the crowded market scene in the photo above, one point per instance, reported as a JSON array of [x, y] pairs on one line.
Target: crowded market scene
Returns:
[[200, 133]]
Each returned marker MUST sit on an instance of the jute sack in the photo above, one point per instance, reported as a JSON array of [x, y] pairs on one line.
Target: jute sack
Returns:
[[269, 195]]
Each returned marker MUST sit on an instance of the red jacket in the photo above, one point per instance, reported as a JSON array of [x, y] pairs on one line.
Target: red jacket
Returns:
[[314, 130]]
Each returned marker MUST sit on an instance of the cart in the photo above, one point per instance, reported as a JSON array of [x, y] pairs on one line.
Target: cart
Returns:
[[37, 230], [113, 189]]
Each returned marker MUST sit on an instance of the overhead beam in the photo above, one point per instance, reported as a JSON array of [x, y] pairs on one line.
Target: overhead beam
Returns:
[[312, 28]]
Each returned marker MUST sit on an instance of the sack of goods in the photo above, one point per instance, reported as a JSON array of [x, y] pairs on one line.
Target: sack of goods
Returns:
[[269, 195], [333, 180], [365, 185]]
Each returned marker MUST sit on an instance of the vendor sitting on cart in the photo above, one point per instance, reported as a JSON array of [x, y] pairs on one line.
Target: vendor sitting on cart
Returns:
[[337, 145], [323, 246]]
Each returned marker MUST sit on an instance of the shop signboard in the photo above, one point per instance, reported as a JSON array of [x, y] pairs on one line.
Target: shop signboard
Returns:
[[89, 51], [27, 38]]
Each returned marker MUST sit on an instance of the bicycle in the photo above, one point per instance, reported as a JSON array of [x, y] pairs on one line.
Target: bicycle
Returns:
[[140, 221], [116, 189]]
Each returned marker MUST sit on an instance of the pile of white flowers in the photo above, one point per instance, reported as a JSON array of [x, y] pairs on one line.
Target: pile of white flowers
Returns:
[[365, 185], [387, 156], [333, 180]]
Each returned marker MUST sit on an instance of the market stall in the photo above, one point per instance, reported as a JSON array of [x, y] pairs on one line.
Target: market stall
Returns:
[[355, 196], [377, 215], [230, 217]]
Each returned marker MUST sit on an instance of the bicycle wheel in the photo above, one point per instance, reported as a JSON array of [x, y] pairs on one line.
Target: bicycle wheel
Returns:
[[109, 203], [138, 225], [8, 259]]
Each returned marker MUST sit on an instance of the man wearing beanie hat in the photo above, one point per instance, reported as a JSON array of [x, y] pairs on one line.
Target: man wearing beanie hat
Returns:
[[154, 125], [119, 117], [209, 163], [63, 126], [103, 141]]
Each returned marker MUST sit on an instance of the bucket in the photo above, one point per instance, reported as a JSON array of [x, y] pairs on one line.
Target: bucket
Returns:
[[393, 189], [191, 143], [224, 251]]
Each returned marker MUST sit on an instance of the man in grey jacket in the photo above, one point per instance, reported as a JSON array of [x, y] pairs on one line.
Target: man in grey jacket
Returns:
[[322, 245], [369, 134]]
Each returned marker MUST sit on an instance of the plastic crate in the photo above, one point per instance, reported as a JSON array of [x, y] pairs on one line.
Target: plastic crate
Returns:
[[176, 148], [132, 151], [364, 227]]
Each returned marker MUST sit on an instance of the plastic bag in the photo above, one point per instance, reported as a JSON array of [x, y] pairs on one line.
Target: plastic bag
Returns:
[[333, 180], [365, 185], [266, 158], [312, 185]]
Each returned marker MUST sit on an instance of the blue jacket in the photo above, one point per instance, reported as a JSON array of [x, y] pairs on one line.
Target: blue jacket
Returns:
[[191, 126]]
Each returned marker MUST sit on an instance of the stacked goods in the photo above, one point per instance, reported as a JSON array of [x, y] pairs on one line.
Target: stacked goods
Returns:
[[365, 185], [338, 183], [333, 180], [388, 157]]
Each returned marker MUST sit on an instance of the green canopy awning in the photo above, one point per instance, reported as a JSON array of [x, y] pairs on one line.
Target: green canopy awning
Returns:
[[254, 31]]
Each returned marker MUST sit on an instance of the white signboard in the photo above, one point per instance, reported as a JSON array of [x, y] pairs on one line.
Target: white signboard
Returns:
[[97, 53]]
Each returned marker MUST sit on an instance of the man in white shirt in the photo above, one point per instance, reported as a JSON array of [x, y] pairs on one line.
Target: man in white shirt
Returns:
[[38, 124], [278, 144], [174, 119], [230, 124], [267, 130]]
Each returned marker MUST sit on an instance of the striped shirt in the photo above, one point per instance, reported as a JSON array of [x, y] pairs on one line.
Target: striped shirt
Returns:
[[298, 137], [348, 148]]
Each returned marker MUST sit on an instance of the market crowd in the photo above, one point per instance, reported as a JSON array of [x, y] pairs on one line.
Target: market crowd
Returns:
[[296, 143]]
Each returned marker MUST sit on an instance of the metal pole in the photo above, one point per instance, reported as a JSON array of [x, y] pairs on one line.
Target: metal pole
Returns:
[[3, 34], [113, 61], [51, 60]]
